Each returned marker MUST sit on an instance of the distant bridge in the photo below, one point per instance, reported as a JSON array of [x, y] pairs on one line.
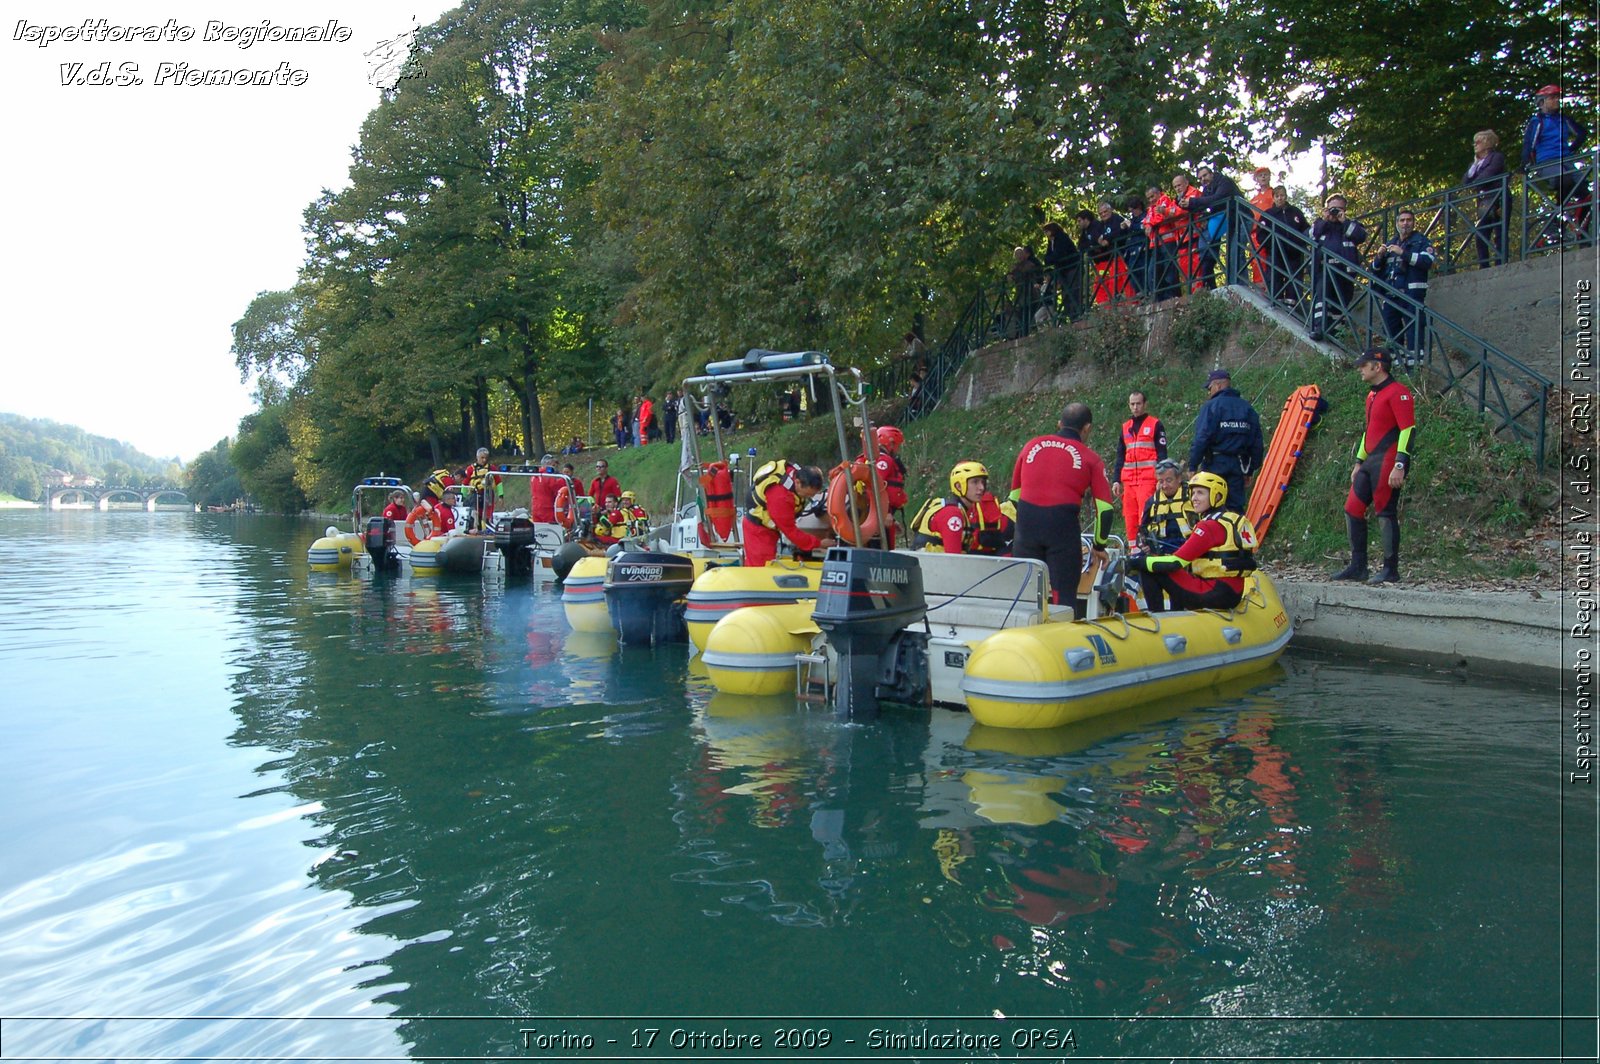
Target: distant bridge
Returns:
[[63, 497]]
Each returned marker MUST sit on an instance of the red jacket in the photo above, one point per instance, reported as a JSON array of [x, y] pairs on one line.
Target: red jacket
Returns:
[[542, 498], [761, 542], [604, 490], [1058, 471]]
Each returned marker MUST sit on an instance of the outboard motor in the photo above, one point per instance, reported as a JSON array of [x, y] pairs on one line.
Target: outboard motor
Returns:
[[866, 598], [514, 540], [644, 595], [378, 538]]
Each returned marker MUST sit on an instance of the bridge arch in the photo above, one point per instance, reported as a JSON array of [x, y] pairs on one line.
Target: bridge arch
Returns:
[[110, 495], [61, 498], [171, 496], [77, 497]]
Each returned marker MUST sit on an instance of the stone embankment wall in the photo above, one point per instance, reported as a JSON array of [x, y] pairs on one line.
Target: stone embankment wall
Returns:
[[1488, 633], [1523, 308]]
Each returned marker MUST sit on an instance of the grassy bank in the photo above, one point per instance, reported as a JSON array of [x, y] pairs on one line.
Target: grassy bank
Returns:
[[1469, 510]]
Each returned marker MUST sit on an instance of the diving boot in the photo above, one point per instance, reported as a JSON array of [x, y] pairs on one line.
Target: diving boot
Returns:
[[1357, 569], [1389, 533], [1388, 573]]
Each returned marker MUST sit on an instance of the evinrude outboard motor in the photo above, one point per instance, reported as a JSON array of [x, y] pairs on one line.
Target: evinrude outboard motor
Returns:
[[514, 540], [378, 538], [644, 595], [865, 601]]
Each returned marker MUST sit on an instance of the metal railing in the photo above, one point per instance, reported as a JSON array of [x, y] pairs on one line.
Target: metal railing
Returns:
[[1352, 308], [1332, 298], [1505, 218]]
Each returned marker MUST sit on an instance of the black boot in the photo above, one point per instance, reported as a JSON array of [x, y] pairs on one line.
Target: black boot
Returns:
[[1357, 569], [1389, 534]]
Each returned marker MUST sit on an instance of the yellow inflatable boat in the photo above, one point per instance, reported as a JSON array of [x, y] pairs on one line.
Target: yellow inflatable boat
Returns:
[[334, 551], [1048, 675], [583, 595], [976, 632], [719, 591]]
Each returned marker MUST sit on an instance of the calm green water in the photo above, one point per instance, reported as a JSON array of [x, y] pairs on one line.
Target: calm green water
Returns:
[[253, 813]]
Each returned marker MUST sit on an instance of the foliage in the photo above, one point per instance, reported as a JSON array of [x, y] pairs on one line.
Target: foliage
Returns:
[[1402, 87], [441, 281], [265, 461], [1113, 336], [1199, 327], [803, 174], [211, 480], [30, 449]]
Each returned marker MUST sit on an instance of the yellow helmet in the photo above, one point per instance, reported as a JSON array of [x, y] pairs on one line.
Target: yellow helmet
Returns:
[[627, 496], [1215, 485], [963, 472]]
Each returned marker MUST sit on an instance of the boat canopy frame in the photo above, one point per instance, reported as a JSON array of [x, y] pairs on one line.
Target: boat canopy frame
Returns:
[[762, 366]]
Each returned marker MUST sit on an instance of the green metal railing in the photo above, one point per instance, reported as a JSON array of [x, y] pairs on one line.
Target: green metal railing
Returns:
[[1333, 299], [1506, 218]]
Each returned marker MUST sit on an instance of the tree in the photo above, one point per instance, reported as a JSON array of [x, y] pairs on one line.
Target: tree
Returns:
[[264, 460], [1402, 87], [810, 174], [210, 478]]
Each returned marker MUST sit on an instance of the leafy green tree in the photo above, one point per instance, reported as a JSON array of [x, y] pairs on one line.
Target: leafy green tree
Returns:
[[437, 277], [25, 481], [815, 174], [1401, 87], [210, 478], [263, 458]]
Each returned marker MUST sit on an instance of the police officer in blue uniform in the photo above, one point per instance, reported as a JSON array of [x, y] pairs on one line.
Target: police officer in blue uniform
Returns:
[[1227, 438]]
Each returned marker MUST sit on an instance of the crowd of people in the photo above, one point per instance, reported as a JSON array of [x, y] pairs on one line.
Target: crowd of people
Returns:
[[1169, 241]]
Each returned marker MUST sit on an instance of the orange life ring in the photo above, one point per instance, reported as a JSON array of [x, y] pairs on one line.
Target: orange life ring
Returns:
[[840, 483], [717, 483], [565, 510], [419, 517]]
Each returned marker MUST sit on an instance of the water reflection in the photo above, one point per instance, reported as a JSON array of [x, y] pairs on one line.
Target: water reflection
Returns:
[[437, 800]]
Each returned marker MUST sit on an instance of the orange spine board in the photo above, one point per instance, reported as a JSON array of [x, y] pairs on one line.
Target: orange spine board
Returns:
[[1287, 441]]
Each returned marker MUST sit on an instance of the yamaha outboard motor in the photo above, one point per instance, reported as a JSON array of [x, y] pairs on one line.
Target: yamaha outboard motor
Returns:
[[514, 540], [866, 599], [644, 595], [378, 538]]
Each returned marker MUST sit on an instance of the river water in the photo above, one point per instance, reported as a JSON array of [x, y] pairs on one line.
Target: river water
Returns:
[[255, 813]]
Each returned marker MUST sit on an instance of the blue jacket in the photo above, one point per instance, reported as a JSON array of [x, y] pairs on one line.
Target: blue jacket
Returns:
[[1407, 271], [1342, 238], [1551, 137], [1227, 435]]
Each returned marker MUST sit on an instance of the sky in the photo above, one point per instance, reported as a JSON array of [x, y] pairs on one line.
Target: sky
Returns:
[[143, 218]]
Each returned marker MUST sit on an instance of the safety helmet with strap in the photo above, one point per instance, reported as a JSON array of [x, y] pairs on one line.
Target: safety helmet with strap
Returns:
[[889, 438], [1215, 486], [962, 473]]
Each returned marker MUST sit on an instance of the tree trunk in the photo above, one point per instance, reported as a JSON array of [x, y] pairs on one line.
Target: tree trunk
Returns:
[[435, 444], [483, 435], [533, 419]]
